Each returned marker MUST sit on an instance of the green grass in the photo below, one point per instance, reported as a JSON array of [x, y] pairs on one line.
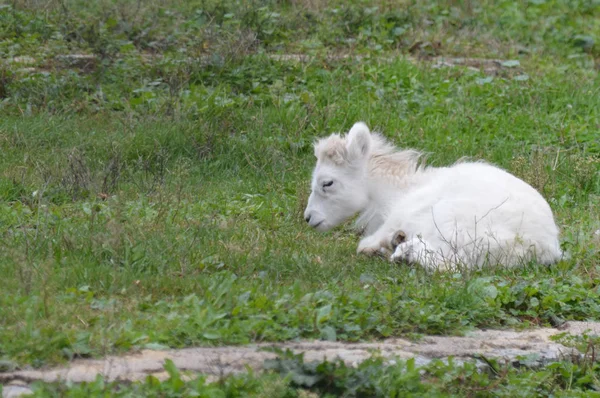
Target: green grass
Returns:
[[154, 196]]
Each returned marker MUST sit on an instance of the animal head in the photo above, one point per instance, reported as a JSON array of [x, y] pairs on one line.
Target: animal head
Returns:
[[339, 181]]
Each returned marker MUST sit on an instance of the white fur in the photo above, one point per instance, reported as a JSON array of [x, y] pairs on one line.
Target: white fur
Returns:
[[470, 214]]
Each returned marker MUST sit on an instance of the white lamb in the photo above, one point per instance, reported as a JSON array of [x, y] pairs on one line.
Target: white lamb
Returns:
[[470, 214]]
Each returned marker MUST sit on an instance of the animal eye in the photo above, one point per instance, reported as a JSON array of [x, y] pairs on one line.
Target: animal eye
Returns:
[[327, 184]]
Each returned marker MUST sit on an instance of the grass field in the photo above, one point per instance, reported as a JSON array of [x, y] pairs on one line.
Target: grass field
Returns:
[[152, 196]]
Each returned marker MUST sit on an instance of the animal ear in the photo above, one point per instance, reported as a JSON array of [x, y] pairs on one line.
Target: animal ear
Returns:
[[359, 141]]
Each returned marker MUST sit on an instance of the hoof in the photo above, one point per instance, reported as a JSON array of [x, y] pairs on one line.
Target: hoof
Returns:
[[399, 238]]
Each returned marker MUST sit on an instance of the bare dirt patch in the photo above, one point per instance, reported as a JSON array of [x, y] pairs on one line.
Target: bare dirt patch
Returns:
[[489, 66], [89, 62]]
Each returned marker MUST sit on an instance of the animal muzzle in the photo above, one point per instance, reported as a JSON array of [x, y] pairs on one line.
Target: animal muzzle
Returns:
[[313, 219]]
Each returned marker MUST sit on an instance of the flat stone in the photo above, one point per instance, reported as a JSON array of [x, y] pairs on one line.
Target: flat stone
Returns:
[[508, 345]]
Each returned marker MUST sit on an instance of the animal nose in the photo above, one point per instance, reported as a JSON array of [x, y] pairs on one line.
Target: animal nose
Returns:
[[307, 218]]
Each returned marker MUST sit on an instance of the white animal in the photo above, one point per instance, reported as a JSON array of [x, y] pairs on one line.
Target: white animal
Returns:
[[469, 214]]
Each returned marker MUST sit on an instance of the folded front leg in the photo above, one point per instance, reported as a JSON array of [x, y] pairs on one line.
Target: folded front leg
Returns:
[[374, 244], [381, 242]]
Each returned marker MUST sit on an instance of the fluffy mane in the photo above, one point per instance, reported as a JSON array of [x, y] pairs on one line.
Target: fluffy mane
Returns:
[[388, 161]]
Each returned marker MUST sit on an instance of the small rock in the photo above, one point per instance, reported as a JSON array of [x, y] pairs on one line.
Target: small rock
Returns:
[[25, 59], [16, 390]]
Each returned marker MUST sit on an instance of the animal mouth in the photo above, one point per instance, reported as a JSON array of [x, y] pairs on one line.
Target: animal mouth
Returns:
[[317, 224]]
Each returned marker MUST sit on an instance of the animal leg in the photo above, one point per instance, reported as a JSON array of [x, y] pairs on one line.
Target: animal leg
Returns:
[[381, 242], [417, 250], [372, 245]]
